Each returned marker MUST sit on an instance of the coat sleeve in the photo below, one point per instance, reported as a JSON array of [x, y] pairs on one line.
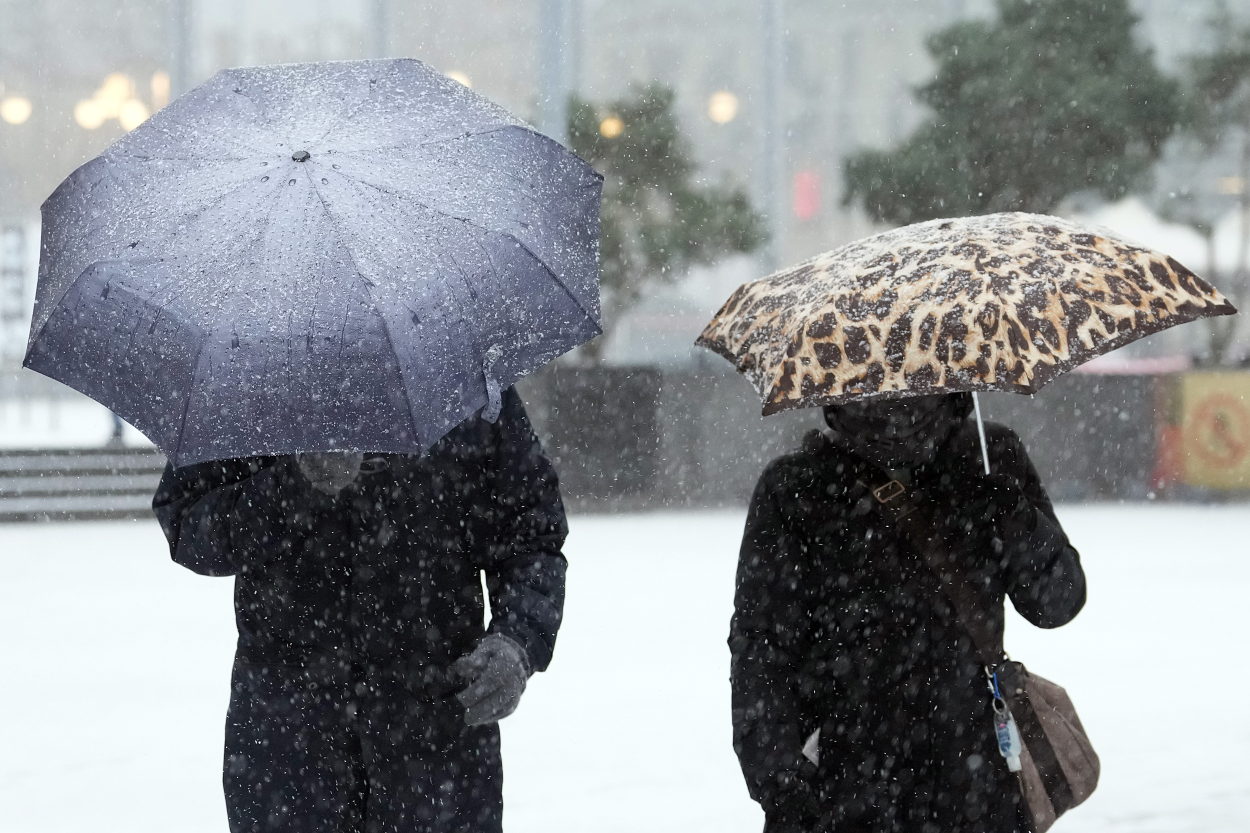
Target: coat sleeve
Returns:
[[520, 529], [766, 639], [1043, 570], [220, 518]]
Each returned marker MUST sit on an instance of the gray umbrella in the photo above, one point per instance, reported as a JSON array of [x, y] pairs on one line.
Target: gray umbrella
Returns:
[[353, 255]]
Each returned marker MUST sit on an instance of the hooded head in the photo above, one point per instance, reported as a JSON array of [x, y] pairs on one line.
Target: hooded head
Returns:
[[898, 433]]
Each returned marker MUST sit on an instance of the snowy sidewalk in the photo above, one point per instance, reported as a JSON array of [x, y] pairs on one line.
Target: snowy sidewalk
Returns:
[[114, 675]]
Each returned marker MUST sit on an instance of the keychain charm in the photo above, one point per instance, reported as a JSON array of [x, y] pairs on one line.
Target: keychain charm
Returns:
[[1008, 735], [1005, 731]]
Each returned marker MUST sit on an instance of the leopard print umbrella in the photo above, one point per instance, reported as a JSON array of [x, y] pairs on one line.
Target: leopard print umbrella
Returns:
[[1000, 302]]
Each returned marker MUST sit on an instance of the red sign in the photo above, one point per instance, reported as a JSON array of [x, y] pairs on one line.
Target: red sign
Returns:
[[806, 194]]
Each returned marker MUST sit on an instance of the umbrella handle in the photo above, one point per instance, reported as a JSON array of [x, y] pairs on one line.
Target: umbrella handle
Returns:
[[985, 453]]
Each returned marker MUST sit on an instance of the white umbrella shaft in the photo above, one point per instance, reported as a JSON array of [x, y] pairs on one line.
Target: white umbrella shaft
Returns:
[[985, 453]]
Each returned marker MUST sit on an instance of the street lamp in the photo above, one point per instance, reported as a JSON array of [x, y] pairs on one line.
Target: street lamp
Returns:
[[722, 107], [15, 109], [88, 114], [611, 127], [115, 99]]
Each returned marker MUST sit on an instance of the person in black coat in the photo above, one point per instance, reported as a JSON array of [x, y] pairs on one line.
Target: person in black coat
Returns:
[[844, 642], [366, 689]]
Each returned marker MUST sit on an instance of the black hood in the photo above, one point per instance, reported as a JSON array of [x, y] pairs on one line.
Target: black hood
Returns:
[[898, 433]]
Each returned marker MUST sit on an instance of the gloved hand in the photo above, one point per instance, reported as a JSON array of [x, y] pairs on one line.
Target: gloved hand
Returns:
[[1002, 494], [330, 472], [1016, 515], [496, 671]]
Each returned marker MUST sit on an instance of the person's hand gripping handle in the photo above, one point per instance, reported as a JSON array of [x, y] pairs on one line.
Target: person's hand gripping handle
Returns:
[[496, 672]]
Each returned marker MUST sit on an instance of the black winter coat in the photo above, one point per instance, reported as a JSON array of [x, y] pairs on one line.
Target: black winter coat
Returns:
[[350, 611], [387, 576], [840, 626]]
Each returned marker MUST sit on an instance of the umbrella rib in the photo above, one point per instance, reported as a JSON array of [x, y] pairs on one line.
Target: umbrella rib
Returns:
[[216, 200], [172, 237], [536, 258], [239, 145], [551, 272], [403, 384], [195, 368], [148, 157], [386, 327], [348, 116], [484, 229], [441, 140], [460, 307], [186, 403], [436, 141], [276, 191], [210, 204], [495, 128]]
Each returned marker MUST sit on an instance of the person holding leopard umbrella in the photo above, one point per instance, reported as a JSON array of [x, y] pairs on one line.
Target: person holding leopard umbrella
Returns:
[[871, 692]]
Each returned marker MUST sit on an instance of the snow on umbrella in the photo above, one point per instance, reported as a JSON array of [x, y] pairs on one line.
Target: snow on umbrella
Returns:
[[354, 255], [1001, 302]]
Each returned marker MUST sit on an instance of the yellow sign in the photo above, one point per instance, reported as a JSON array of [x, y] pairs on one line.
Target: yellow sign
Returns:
[[1215, 429]]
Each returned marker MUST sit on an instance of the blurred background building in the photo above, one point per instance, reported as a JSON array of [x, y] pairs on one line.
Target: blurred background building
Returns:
[[771, 95]]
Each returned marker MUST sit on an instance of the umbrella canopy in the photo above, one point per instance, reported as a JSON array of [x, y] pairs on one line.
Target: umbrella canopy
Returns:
[[354, 255], [999, 302]]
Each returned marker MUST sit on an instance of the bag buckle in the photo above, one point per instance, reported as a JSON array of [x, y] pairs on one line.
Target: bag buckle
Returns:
[[887, 493]]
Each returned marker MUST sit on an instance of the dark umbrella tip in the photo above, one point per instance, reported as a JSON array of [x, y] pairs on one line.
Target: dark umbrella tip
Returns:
[[300, 156]]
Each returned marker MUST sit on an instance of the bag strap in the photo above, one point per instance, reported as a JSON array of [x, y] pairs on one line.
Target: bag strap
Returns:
[[906, 510]]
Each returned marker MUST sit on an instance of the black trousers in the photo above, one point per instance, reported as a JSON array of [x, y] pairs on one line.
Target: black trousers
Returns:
[[315, 756]]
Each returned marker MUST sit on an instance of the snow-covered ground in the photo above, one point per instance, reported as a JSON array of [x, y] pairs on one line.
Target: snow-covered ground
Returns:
[[114, 669]]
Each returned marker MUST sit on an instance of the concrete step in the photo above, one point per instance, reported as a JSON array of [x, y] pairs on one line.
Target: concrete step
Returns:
[[78, 484]]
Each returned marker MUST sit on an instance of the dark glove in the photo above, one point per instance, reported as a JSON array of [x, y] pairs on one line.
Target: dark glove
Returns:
[[496, 672], [1010, 508], [1027, 538], [330, 472]]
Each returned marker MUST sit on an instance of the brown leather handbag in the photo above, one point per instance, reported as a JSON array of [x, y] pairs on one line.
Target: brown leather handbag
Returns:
[[1059, 768]]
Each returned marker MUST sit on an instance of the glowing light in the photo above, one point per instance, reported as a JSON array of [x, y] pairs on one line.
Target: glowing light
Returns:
[[611, 127], [457, 75], [15, 109], [1232, 185], [115, 99], [116, 88], [806, 194], [132, 113], [160, 89], [722, 107], [88, 114]]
